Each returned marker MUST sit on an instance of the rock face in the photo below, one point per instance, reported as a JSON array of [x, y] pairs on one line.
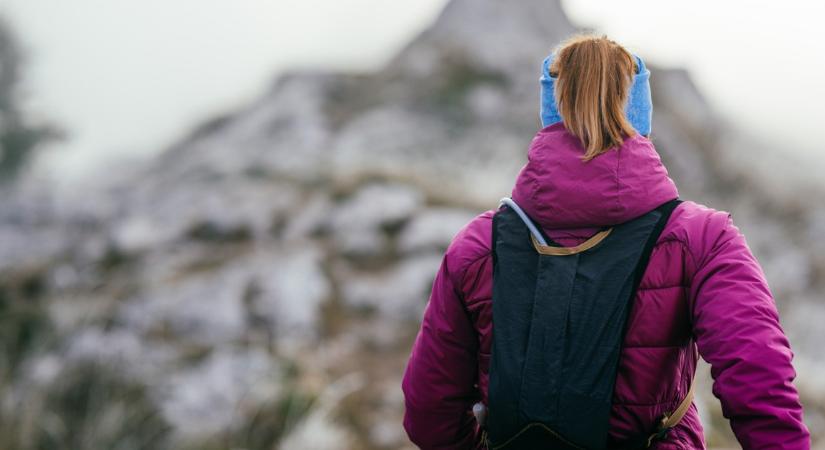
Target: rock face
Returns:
[[260, 283]]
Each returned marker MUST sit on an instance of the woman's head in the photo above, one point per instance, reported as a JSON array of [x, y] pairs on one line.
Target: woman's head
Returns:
[[593, 80]]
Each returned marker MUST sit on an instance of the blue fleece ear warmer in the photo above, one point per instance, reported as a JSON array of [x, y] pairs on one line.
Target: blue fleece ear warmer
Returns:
[[639, 108]]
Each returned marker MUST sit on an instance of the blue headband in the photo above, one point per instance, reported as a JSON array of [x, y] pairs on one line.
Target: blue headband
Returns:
[[639, 108]]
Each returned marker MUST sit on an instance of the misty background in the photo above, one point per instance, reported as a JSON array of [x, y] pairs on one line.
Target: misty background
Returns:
[[124, 77]]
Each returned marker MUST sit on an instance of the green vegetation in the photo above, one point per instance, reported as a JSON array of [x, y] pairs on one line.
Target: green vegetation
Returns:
[[20, 136]]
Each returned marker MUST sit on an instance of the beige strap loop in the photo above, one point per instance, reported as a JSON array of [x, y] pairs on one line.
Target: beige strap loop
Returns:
[[669, 420], [565, 251], [680, 411]]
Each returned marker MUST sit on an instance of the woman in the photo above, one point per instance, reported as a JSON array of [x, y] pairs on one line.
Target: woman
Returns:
[[702, 294]]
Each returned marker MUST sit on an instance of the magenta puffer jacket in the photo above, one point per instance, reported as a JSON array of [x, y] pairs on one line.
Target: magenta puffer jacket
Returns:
[[703, 294]]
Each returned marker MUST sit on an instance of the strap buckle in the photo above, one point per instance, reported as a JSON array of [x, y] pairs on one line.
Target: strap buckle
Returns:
[[658, 436], [662, 430]]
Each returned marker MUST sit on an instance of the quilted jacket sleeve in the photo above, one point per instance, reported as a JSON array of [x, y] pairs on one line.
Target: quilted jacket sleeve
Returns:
[[737, 330], [439, 379]]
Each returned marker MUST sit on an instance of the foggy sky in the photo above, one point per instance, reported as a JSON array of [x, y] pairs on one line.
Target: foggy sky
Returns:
[[128, 78]]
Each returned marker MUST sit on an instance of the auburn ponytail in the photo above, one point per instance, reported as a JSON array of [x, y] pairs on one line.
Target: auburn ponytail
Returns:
[[594, 75]]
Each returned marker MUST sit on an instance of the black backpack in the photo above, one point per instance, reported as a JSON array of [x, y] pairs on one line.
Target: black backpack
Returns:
[[559, 320]]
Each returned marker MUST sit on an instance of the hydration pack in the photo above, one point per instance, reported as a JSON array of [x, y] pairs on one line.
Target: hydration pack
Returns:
[[559, 321]]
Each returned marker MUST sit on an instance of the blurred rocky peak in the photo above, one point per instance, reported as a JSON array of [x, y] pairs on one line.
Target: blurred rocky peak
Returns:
[[510, 38]]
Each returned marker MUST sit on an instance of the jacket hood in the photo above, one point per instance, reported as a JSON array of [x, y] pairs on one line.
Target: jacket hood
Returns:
[[558, 190]]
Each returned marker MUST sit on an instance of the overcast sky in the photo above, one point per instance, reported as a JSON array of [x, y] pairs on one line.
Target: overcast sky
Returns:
[[127, 78]]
